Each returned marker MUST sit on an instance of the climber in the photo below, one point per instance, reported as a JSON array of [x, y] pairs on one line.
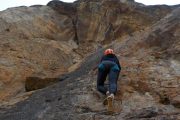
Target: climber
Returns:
[[110, 66]]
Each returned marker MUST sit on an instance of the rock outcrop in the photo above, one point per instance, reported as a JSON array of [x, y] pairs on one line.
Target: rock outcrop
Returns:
[[34, 40], [69, 39]]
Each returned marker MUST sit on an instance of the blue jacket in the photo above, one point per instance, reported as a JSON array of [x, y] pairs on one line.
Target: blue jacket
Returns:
[[111, 57]]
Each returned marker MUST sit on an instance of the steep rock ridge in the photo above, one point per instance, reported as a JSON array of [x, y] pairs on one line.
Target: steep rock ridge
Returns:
[[148, 85], [101, 22]]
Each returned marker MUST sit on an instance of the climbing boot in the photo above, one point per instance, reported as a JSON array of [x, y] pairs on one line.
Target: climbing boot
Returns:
[[105, 102], [110, 100]]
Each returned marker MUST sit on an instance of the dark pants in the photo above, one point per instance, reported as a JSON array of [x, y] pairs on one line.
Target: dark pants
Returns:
[[112, 70]]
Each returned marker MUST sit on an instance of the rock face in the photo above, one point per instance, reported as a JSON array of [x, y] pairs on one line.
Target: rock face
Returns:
[[34, 40], [58, 38]]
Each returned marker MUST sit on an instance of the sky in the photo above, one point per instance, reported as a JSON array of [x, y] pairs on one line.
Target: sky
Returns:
[[14, 3]]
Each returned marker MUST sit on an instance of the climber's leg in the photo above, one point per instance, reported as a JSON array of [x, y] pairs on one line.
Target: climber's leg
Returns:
[[113, 77], [102, 73]]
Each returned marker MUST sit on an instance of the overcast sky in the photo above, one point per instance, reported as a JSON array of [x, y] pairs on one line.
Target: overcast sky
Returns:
[[13, 3]]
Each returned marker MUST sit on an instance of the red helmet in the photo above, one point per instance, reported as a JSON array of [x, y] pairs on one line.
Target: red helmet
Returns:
[[108, 51]]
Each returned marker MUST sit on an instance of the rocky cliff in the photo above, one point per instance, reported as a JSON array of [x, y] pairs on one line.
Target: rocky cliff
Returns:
[[40, 43]]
